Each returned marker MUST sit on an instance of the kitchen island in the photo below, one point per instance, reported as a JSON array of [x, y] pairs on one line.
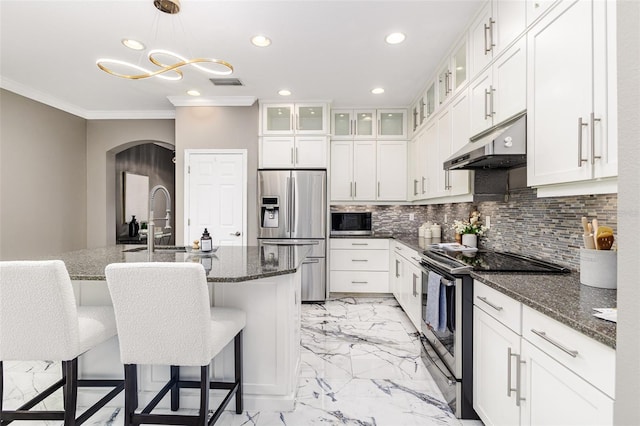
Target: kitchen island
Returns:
[[265, 282]]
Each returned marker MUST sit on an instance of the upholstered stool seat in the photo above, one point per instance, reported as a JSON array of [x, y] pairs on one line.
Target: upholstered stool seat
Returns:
[[39, 320], [164, 317]]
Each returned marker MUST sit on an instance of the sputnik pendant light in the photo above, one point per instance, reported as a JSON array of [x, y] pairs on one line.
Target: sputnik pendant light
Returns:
[[171, 7]]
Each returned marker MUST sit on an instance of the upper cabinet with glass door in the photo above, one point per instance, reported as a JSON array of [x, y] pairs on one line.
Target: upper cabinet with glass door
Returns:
[[453, 74], [353, 124], [302, 119], [392, 124]]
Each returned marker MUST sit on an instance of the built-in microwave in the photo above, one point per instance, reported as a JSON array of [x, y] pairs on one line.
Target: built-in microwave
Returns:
[[351, 223]]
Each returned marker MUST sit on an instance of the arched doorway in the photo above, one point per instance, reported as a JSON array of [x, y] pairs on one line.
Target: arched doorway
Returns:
[[151, 163]]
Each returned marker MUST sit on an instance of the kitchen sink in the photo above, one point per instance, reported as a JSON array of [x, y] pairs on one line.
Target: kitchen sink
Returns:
[[161, 249]]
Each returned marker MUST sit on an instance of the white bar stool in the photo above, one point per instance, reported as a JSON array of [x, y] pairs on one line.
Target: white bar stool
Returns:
[[164, 317], [39, 320]]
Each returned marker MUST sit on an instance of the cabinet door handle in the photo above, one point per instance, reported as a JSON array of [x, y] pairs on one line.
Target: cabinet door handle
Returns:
[[350, 189], [293, 124], [378, 189], [518, 387], [359, 244], [593, 138], [580, 126], [489, 29], [423, 180], [296, 155], [496, 307], [560, 346], [491, 92], [292, 159], [355, 189], [487, 93], [397, 268], [415, 187], [359, 282], [415, 278], [297, 122], [351, 127], [359, 260]]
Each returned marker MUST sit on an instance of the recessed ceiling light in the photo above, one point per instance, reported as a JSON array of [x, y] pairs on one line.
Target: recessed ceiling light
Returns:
[[133, 44], [260, 41], [377, 91], [284, 92], [193, 92], [395, 38]]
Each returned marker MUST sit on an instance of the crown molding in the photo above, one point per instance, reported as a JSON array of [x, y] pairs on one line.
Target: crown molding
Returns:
[[186, 101], [44, 98]]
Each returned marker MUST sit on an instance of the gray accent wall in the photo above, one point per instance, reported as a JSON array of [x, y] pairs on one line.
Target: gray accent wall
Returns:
[[43, 189]]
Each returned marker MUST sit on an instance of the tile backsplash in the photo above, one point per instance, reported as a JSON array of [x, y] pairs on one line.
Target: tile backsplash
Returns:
[[545, 228]]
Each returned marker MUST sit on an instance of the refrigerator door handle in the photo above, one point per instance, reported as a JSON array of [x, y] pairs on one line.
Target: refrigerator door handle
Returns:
[[293, 205], [288, 196]]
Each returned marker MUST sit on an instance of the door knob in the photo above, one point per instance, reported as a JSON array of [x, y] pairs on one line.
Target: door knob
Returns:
[[237, 233]]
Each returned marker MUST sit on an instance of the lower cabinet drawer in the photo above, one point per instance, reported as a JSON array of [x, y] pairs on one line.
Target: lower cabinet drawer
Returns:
[[589, 359], [359, 282], [359, 260]]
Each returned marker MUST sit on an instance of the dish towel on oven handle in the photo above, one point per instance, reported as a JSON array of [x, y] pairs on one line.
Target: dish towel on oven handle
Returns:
[[436, 308]]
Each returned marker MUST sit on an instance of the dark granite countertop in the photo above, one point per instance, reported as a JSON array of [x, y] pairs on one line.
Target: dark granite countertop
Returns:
[[560, 297], [227, 264]]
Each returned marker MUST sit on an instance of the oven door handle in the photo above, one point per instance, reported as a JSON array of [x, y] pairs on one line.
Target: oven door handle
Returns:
[[450, 380]]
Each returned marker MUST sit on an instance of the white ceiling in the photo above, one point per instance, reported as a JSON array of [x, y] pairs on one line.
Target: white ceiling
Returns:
[[321, 50]]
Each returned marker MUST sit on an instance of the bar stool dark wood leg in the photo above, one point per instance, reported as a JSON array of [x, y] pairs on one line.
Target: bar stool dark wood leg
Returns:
[[130, 393], [204, 395]]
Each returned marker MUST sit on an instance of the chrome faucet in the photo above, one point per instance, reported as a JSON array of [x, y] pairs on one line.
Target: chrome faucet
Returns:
[[151, 228]]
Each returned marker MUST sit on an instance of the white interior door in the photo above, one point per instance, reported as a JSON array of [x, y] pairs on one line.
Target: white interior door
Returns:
[[216, 196]]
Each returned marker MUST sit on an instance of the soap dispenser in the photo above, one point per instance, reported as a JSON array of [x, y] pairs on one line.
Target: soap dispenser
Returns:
[[206, 243]]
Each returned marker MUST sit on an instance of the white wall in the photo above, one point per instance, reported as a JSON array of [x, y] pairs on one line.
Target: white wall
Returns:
[[627, 408], [43, 204], [105, 138], [218, 128]]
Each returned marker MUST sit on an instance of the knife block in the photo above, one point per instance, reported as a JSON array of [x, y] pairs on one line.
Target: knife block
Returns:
[[599, 268]]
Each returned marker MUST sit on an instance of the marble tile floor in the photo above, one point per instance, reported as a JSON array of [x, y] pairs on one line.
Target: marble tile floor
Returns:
[[361, 366]]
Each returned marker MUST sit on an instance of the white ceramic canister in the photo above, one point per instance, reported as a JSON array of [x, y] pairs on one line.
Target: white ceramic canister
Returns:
[[436, 231]]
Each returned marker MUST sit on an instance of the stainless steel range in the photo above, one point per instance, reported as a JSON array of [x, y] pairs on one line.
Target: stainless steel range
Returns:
[[447, 315]]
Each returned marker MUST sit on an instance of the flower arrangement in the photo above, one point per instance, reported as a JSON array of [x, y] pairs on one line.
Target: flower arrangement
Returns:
[[472, 226]]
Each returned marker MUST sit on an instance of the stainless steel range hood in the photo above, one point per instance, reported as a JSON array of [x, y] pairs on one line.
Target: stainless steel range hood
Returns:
[[502, 146]]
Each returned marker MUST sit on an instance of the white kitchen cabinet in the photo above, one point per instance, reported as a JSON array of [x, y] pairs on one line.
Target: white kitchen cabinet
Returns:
[[368, 170], [353, 171], [501, 91], [571, 103], [353, 124], [430, 100], [556, 396], [359, 265], [408, 282], [498, 24], [459, 180], [496, 352], [293, 152], [529, 369], [391, 171], [302, 118], [418, 162], [392, 124], [453, 73]]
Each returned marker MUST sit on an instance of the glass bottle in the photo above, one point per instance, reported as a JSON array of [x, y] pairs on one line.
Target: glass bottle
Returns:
[[206, 243]]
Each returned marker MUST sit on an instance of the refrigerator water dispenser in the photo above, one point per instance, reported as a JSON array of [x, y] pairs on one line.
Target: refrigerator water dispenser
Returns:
[[269, 211]]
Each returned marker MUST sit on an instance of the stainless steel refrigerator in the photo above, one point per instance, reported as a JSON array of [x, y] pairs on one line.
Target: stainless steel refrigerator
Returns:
[[292, 209]]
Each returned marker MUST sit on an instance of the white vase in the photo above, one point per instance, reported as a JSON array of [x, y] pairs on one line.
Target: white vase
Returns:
[[470, 240]]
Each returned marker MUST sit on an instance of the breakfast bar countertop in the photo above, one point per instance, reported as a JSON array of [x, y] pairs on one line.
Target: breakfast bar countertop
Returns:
[[227, 264]]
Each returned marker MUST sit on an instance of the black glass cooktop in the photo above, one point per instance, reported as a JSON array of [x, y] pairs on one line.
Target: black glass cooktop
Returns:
[[493, 261]]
